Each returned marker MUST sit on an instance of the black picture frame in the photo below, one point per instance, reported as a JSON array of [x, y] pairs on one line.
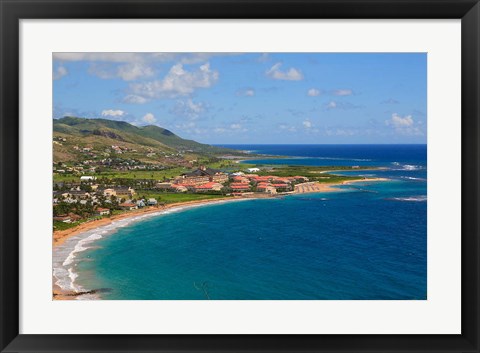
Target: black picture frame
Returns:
[[12, 11]]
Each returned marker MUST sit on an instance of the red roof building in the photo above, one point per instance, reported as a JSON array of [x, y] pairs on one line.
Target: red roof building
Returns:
[[209, 186], [239, 186]]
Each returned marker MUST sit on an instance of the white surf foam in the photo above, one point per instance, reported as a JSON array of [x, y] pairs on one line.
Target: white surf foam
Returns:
[[421, 198]]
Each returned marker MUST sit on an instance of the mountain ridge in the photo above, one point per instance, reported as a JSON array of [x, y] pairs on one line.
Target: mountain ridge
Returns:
[[103, 134]]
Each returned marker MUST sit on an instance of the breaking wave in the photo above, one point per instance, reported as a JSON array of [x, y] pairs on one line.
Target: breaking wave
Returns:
[[421, 198]]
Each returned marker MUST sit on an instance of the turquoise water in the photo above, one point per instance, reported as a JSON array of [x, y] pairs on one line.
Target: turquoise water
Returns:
[[368, 242]]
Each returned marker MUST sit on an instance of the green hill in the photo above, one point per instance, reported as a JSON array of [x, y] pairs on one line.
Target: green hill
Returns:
[[134, 134], [144, 143]]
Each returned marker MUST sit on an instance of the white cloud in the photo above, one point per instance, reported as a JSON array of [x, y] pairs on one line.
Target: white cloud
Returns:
[[177, 82], [234, 128], [188, 109], [291, 74], [133, 71], [307, 124], [126, 66], [400, 122], [331, 105], [134, 99], [342, 105], [343, 92], [219, 130], [340, 132], [312, 92], [149, 118], [132, 66], [106, 57], [288, 128], [126, 72], [390, 101], [188, 126], [404, 125], [113, 113], [248, 92], [263, 58], [60, 72]]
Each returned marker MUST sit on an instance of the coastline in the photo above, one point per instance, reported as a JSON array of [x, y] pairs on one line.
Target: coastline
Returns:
[[66, 243], [60, 236]]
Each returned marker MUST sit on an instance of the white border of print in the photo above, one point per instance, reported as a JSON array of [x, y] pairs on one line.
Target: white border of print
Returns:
[[440, 314]]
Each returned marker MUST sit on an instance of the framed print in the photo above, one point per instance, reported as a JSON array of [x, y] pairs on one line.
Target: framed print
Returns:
[[224, 176]]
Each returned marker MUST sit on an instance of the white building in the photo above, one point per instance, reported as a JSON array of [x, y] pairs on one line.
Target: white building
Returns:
[[253, 170], [152, 202], [87, 178]]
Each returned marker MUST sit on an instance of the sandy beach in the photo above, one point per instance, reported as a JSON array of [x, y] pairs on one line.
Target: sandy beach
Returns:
[[60, 236], [365, 180]]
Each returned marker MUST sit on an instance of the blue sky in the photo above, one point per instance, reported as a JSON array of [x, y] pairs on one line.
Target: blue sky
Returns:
[[251, 97]]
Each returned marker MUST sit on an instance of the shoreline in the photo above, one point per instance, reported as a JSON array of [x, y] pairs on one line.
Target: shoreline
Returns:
[[60, 236], [66, 243]]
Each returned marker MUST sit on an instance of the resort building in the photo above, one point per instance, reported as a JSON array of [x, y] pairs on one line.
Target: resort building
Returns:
[[102, 211], [281, 186], [78, 194], [241, 179], [63, 218], [266, 187], [107, 192], [266, 178], [202, 176], [128, 206], [212, 186], [152, 202], [179, 188], [163, 186], [124, 191], [240, 187]]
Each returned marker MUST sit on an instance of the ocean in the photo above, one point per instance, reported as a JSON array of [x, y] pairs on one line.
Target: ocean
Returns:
[[367, 242]]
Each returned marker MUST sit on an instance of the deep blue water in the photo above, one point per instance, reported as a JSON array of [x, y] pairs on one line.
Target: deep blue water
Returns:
[[366, 243]]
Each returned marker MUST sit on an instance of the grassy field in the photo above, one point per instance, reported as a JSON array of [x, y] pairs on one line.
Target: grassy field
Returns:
[[313, 173], [151, 174], [137, 174], [175, 197], [57, 225]]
